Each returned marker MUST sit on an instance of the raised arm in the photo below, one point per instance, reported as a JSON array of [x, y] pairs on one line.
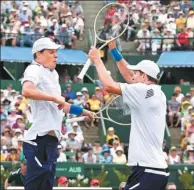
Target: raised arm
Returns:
[[122, 64], [107, 82]]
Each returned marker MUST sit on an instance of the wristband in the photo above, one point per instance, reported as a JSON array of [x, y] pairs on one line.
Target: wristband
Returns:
[[75, 110], [116, 54]]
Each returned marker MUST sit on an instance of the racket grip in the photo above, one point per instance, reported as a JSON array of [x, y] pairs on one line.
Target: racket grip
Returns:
[[84, 69], [76, 119]]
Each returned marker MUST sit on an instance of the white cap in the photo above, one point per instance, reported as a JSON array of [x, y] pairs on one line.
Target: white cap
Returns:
[[119, 148], [64, 25], [69, 14], [25, 9], [44, 43], [18, 130], [78, 94], [75, 124], [59, 146], [84, 89], [148, 67]]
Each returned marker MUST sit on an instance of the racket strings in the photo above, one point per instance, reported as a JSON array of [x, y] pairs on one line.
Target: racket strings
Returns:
[[112, 104]]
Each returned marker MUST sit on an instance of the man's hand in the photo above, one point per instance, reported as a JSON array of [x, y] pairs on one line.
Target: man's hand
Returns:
[[112, 45], [90, 115], [60, 100], [94, 54]]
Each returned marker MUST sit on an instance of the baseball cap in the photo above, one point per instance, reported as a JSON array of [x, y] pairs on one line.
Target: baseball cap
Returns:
[[78, 94], [44, 43], [75, 124], [148, 67], [62, 180], [84, 89]]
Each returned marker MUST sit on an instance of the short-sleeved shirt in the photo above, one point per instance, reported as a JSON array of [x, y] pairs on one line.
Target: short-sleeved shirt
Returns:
[[148, 118], [174, 105], [16, 178], [45, 114]]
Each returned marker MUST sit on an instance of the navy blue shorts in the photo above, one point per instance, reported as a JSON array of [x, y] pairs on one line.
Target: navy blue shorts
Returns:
[[143, 178], [41, 155]]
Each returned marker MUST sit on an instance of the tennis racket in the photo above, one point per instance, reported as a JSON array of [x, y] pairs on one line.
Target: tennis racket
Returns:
[[110, 23], [114, 111]]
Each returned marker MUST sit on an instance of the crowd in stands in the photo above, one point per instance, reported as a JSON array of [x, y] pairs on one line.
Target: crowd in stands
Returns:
[[23, 22], [181, 113], [159, 27], [16, 119]]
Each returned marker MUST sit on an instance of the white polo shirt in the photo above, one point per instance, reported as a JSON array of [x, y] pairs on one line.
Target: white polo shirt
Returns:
[[148, 118], [45, 114]]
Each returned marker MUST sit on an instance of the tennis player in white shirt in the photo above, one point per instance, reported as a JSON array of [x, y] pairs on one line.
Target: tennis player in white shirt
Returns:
[[41, 85], [148, 110]]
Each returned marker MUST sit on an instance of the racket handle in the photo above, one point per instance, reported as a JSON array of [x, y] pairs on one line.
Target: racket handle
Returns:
[[85, 69], [76, 119]]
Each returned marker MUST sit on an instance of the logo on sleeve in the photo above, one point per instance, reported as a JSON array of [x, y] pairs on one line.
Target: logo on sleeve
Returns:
[[149, 94]]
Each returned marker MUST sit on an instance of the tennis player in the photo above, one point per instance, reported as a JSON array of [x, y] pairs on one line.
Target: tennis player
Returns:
[[148, 110], [41, 86]]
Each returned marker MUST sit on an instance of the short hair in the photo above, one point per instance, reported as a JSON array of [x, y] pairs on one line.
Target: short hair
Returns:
[[153, 79], [35, 56]]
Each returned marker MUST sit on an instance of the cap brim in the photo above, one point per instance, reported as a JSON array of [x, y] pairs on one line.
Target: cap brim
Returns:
[[132, 67]]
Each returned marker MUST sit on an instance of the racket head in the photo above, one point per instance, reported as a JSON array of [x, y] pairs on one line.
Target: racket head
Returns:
[[116, 27]]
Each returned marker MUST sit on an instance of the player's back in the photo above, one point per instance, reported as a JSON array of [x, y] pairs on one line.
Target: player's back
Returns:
[[148, 113]]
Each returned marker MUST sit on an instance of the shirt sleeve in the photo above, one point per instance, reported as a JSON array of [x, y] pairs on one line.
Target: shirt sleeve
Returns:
[[32, 74], [132, 94]]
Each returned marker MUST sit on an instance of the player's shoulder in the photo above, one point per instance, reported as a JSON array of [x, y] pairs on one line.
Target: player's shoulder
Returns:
[[34, 68]]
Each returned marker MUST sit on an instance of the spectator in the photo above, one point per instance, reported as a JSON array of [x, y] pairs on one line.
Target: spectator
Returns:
[[169, 79], [192, 98], [105, 158], [189, 158], [10, 35], [72, 144], [113, 149], [26, 36], [24, 16], [79, 26], [71, 32], [174, 158], [3, 122], [78, 101], [181, 21], [12, 117], [6, 139], [79, 135], [174, 111], [97, 149], [190, 128], [119, 157], [89, 157], [62, 156], [13, 154], [190, 20], [99, 94], [172, 27], [95, 183], [7, 91], [69, 94], [95, 104], [17, 134], [78, 157], [63, 181], [182, 40], [144, 39], [111, 136], [17, 177], [171, 186], [77, 8], [168, 41], [19, 120], [85, 94], [156, 41], [179, 96]]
